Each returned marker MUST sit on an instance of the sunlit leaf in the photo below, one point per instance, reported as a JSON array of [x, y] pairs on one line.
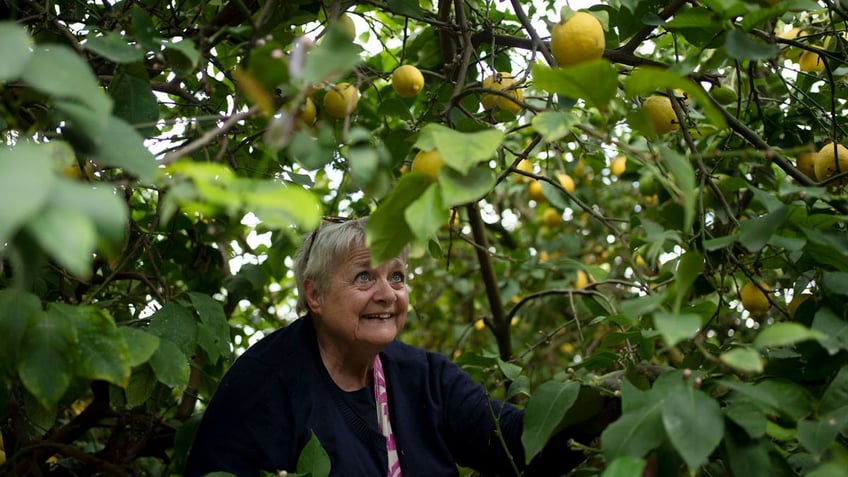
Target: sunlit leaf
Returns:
[[313, 459], [743, 359], [782, 334], [114, 47], [170, 365], [675, 328], [15, 49], [647, 80], [554, 125], [461, 151], [25, 182], [388, 231], [426, 215], [595, 81]]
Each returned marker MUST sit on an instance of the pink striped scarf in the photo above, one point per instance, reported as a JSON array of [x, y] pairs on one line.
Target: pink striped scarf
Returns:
[[381, 395]]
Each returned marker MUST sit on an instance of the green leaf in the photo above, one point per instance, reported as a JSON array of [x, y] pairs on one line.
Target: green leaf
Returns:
[[828, 469], [114, 47], [25, 181], [683, 407], [15, 49], [595, 81], [140, 344], [99, 202], [182, 55], [60, 72], [102, 351], [747, 416], [175, 323], [837, 282], [675, 328], [142, 384], [170, 365], [647, 80], [125, 149], [364, 163], [625, 467], [793, 400], [634, 308], [145, 31], [817, 435], [684, 174], [743, 359], [634, 434], [43, 357], [68, 236], [313, 459], [544, 412], [280, 204], [460, 189], [135, 102], [742, 46], [689, 268], [460, 151], [834, 397], [755, 233], [333, 57], [18, 309], [213, 333], [554, 125], [833, 329], [388, 231], [426, 215], [782, 334]]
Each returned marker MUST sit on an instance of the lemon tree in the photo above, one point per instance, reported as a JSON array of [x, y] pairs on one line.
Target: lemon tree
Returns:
[[160, 166]]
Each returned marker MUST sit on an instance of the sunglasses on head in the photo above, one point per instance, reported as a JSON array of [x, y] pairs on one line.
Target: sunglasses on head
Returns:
[[314, 235]]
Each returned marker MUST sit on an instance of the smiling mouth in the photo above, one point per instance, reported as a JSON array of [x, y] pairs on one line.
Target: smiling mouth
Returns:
[[379, 316]]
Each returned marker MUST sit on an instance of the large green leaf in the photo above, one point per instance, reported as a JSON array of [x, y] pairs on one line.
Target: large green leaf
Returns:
[[25, 181], [114, 47], [684, 175], [596, 82], [744, 359], [333, 57], [60, 72], [15, 49], [142, 384], [544, 412], [125, 149], [833, 328], [99, 202], [313, 459], [817, 435], [175, 323], [18, 309], [170, 365], [675, 328], [554, 125], [460, 189], [44, 357], [460, 150], [689, 267], [755, 233], [782, 334], [68, 236], [747, 416], [280, 204], [634, 434], [135, 102], [213, 333], [426, 215], [388, 231], [102, 352], [683, 407], [793, 400], [140, 344], [742, 46], [625, 467], [836, 394]]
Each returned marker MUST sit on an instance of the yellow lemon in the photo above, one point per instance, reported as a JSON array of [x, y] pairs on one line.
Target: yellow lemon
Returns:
[[407, 81], [581, 280], [578, 39], [825, 164], [660, 114], [341, 100], [346, 25], [428, 163], [479, 324], [806, 163], [525, 166], [754, 298], [308, 112], [793, 305], [551, 217], [810, 62], [534, 191], [618, 165], [566, 181], [506, 83]]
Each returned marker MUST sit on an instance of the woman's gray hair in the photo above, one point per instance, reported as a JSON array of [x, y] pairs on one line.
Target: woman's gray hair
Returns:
[[322, 249]]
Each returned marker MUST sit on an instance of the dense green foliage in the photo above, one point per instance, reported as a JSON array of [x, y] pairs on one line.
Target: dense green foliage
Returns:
[[156, 177]]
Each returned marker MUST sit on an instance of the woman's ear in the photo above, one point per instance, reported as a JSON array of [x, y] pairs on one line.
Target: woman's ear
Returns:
[[313, 296]]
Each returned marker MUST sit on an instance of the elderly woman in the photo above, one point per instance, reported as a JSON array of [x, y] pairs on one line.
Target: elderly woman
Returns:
[[377, 405]]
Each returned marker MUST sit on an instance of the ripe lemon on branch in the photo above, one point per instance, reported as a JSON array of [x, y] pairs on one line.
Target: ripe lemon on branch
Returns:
[[341, 100], [827, 160], [660, 114], [577, 39], [407, 81], [428, 163], [502, 82], [754, 298]]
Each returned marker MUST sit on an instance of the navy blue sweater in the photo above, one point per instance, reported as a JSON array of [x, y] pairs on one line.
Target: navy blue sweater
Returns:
[[278, 391]]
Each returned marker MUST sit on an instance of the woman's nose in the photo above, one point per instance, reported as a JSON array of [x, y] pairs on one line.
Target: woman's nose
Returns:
[[384, 292]]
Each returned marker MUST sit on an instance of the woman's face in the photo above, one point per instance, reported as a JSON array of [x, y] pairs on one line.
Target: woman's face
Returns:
[[364, 306]]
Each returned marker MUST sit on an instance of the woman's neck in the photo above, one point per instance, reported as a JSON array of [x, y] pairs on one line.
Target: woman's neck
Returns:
[[350, 371]]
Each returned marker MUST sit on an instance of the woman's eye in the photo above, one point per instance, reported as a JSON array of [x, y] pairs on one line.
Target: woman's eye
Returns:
[[362, 277], [398, 277]]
